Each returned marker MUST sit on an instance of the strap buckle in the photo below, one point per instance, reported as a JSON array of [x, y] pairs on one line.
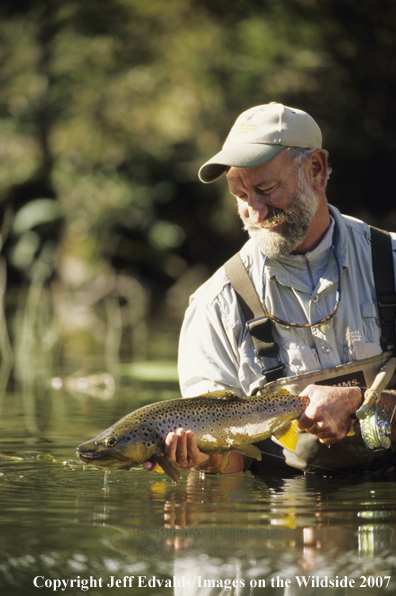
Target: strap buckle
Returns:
[[266, 348]]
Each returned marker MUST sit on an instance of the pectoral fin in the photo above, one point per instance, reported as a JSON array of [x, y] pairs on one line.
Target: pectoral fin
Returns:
[[351, 432], [225, 460], [288, 436], [169, 466], [249, 451]]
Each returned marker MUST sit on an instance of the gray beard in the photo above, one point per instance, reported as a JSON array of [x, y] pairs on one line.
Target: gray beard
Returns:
[[297, 220]]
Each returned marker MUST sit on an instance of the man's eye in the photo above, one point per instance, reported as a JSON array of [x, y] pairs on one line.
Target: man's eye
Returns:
[[267, 191]]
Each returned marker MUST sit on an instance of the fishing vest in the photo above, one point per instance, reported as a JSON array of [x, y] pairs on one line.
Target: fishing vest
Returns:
[[310, 454]]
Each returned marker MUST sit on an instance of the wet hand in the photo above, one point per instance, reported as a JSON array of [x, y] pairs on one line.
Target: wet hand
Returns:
[[181, 446], [328, 415]]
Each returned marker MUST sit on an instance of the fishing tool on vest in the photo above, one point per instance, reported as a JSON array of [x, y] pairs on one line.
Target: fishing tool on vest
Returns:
[[374, 424]]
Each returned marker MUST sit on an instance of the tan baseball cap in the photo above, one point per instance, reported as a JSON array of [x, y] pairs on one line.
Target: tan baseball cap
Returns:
[[259, 134]]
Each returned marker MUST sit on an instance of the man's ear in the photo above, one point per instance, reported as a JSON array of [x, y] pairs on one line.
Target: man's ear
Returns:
[[317, 169]]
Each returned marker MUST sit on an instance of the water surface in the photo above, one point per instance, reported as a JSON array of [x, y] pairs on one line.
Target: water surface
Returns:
[[140, 533]]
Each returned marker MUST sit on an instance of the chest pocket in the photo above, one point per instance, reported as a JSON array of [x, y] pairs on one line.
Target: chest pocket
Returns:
[[370, 322]]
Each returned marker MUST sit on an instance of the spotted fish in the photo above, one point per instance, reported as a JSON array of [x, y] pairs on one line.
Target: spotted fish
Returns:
[[221, 422]]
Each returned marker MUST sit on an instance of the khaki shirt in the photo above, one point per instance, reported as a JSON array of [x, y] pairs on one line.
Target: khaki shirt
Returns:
[[216, 350]]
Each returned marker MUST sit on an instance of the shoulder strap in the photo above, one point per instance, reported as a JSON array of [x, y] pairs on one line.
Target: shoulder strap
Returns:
[[384, 279], [257, 322], [259, 325]]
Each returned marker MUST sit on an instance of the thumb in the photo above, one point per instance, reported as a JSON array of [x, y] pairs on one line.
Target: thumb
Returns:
[[149, 466], [305, 423]]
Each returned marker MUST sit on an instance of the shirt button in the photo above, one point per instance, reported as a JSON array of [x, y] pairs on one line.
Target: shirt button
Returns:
[[326, 349], [315, 298]]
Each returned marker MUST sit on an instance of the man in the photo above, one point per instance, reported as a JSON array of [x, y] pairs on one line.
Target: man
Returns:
[[301, 254]]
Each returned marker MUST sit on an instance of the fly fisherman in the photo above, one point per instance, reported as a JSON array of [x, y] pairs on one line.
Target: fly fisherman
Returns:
[[312, 270]]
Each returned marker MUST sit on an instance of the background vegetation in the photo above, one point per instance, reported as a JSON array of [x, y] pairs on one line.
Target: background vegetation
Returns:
[[109, 107]]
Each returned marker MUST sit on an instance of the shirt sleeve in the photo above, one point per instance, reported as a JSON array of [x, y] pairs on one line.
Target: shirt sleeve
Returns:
[[208, 351]]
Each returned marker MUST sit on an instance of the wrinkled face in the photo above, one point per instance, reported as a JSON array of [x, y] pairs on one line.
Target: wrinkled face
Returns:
[[275, 202], [118, 448]]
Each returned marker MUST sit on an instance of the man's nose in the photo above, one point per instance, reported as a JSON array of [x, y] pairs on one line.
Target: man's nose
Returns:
[[257, 209]]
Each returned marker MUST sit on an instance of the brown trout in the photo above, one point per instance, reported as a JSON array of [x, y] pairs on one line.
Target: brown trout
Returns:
[[221, 422]]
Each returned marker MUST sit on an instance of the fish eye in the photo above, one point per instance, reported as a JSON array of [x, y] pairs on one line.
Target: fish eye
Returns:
[[110, 442]]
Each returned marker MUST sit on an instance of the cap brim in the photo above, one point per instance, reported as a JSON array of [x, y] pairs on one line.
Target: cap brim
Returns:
[[239, 155]]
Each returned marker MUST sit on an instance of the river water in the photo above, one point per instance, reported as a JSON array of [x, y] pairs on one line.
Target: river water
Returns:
[[65, 529]]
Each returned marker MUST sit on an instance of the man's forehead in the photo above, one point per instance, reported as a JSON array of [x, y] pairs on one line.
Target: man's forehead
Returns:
[[266, 173]]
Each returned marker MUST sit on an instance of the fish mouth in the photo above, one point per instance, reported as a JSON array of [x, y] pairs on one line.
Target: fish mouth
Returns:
[[103, 460]]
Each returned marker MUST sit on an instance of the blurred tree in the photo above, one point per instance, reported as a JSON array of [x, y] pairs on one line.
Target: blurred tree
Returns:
[[107, 108]]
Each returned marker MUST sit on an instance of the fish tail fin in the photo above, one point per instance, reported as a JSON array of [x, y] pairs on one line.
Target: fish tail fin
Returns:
[[169, 466], [288, 436]]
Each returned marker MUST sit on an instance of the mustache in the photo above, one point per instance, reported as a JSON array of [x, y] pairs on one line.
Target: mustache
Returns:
[[273, 217]]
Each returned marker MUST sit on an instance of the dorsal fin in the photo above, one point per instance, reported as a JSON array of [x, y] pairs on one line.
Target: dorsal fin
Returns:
[[284, 391]]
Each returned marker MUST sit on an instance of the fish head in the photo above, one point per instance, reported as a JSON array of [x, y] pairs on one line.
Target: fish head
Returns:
[[122, 446]]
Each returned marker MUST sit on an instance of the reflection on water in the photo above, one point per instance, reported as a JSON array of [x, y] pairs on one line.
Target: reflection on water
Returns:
[[139, 533]]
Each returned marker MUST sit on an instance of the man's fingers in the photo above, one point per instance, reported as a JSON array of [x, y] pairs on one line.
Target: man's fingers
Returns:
[[181, 446], [305, 423], [181, 449], [178, 445], [171, 441], [149, 466]]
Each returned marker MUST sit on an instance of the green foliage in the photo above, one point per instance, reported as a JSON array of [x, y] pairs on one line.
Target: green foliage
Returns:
[[107, 108]]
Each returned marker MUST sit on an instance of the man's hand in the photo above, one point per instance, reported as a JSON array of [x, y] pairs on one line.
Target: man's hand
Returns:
[[328, 415], [181, 446]]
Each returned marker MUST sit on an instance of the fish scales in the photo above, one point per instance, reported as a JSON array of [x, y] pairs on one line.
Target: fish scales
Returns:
[[208, 419], [220, 420]]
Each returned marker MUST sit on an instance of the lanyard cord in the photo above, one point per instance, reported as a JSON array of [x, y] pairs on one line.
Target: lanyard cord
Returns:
[[338, 292]]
